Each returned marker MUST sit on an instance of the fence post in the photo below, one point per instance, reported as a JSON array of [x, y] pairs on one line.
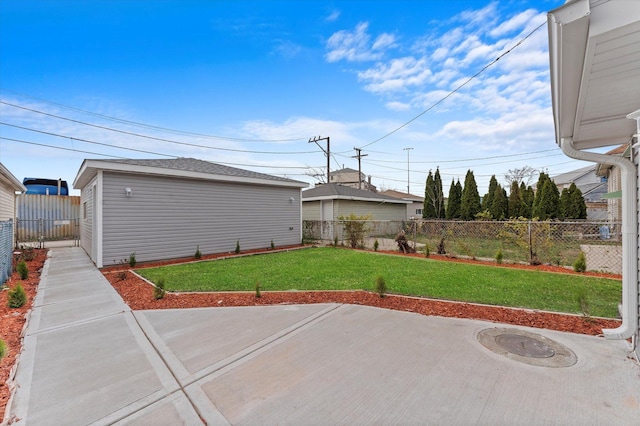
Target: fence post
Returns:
[[530, 243]]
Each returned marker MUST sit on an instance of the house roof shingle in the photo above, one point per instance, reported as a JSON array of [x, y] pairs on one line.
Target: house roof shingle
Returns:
[[186, 167], [337, 191]]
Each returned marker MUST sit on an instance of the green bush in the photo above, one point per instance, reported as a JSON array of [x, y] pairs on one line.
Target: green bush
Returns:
[[258, 295], [17, 296], [376, 244], [499, 257], [580, 265], [427, 250], [355, 228], [335, 241], [381, 286], [23, 270], [198, 254], [237, 246], [3, 348], [158, 290], [132, 260], [273, 246]]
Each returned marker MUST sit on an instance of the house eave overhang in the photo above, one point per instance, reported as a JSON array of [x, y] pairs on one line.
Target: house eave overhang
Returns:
[[351, 198], [11, 180], [89, 169], [595, 70]]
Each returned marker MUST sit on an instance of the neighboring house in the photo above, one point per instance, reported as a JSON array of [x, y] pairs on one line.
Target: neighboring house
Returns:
[[167, 208], [613, 174], [414, 209], [8, 187], [590, 185], [352, 178], [595, 94], [329, 202]]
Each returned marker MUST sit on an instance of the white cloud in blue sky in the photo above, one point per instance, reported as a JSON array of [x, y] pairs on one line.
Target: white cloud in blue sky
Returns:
[[263, 77]]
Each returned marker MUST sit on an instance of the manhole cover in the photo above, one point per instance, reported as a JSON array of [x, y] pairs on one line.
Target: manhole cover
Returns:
[[525, 346], [529, 348]]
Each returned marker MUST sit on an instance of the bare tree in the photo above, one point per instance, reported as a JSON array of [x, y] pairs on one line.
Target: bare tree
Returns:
[[318, 174], [523, 174]]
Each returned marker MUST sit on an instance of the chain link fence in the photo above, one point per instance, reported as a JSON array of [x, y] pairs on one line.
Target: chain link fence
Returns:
[[533, 242], [6, 250]]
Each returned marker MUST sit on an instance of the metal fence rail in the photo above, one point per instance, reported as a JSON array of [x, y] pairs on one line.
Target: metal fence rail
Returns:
[[535, 242], [6, 250]]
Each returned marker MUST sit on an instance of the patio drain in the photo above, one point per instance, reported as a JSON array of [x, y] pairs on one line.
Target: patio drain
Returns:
[[529, 348]]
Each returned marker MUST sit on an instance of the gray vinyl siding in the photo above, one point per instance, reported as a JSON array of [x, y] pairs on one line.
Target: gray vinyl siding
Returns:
[[311, 210], [7, 202], [86, 222], [169, 217], [377, 210]]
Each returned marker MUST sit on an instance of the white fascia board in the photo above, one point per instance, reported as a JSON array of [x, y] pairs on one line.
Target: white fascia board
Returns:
[[346, 197], [15, 184], [87, 165]]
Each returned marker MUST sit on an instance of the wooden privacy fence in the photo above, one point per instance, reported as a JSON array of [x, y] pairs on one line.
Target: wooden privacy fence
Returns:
[[47, 218]]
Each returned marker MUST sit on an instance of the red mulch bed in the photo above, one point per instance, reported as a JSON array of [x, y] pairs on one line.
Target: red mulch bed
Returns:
[[139, 295], [13, 320]]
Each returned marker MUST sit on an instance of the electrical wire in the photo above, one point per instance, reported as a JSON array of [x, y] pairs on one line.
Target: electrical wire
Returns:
[[451, 93], [150, 126], [152, 137]]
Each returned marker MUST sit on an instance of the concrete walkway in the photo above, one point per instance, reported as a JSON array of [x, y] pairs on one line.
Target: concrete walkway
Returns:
[[88, 359]]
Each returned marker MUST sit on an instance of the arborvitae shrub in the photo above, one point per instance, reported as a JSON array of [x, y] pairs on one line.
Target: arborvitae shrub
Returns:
[[381, 286], [273, 246], [159, 291], [3, 348], [376, 244], [237, 246], [258, 294], [17, 296], [198, 254], [22, 269], [499, 256], [580, 265], [132, 260]]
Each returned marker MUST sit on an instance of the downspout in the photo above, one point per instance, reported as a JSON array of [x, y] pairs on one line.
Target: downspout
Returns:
[[629, 311]]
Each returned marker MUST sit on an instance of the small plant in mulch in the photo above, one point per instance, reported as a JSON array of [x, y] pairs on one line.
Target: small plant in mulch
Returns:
[[3, 348], [376, 244], [237, 246], [23, 270], [441, 249], [17, 296], [427, 250], [335, 241], [258, 294], [28, 253], [273, 246], [158, 290], [381, 286], [580, 265], [403, 243], [198, 254], [132, 260], [499, 257]]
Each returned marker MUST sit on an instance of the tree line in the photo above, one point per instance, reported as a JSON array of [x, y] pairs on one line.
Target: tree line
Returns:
[[464, 202]]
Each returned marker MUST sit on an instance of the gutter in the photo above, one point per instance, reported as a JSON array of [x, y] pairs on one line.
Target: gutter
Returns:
[[629, 308]]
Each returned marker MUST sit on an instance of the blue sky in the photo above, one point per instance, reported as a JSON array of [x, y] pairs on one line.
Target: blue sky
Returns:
[[248, 83]]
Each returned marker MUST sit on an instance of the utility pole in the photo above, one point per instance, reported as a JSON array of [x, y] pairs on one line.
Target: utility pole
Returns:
[[359, 156], [327, 152], [407, 149]]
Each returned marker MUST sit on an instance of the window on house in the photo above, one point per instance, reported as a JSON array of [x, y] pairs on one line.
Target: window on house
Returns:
[[418, 211]]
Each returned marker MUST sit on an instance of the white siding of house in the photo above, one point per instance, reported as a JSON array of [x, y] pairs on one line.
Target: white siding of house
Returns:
[[86, 218], [169, 217], [377, 210], [7, 202], [311, 210]]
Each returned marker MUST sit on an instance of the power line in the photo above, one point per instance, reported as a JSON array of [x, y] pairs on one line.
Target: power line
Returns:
[[451, 93], [153, 127], [470, 159], [152, 137], [115, 156]]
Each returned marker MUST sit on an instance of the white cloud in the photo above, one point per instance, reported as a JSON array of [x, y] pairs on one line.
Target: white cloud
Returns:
[[398, 106], [396, 75], [516, 23], [355, 46], [333, 16]]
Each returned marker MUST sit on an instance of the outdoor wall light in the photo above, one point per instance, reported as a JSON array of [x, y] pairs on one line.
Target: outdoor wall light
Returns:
[[291, 199], [128, 192]]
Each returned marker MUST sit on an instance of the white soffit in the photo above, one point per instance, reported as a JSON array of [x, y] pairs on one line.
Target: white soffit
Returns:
[[595, 65]]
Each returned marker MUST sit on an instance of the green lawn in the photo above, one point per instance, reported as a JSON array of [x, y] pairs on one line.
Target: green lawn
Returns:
[[330, 268]]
